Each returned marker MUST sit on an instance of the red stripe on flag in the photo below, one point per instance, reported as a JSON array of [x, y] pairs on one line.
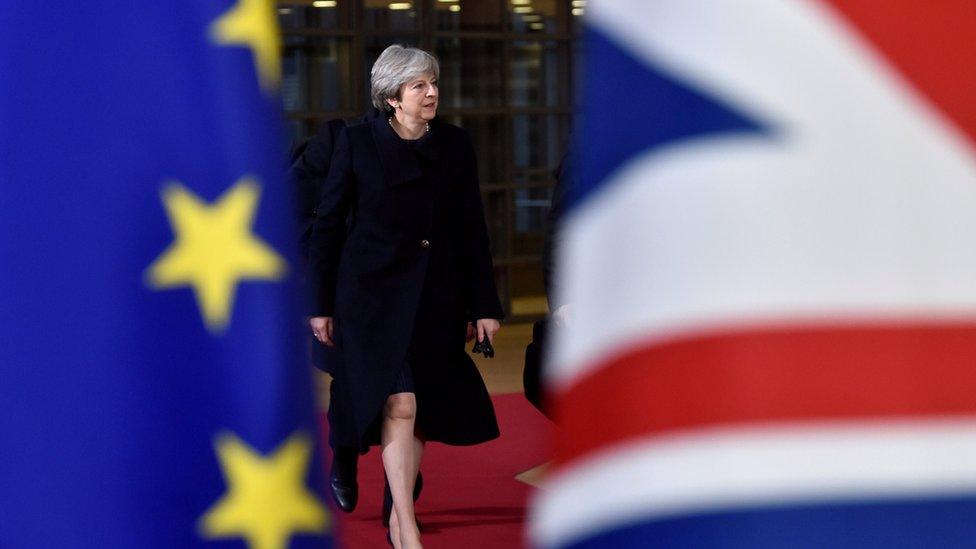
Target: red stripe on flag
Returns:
[[930, 43], [767, 376]]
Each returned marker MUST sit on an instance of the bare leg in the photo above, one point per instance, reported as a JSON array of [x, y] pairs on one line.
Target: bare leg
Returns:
[[401, 460]]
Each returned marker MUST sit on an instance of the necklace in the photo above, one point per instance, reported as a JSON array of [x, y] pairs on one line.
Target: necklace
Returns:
[[426, 125]]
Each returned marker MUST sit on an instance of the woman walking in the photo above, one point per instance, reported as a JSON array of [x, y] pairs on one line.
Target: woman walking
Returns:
[[401, 267]]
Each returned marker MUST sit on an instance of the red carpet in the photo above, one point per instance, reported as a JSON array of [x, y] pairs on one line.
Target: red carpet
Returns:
[[471, 498]]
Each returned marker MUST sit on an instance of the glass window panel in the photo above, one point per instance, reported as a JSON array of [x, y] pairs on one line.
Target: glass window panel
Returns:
[[487, 136], [315, 74], [294, 80], [496, 205], [471, 15], [326, 68], [389, 15], [471, 72], [537, 143], [313, 14], [534, 16], [536, 73], [531, 206]]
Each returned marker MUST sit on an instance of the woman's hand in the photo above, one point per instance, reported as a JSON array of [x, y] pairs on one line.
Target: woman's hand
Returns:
[[470, 333], [487, 327], [322, 329]]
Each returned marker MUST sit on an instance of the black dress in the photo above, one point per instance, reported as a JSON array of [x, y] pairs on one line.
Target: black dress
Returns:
[[413, 269]]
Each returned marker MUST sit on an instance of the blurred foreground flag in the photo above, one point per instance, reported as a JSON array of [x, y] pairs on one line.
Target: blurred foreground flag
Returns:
[[771, 252], [152, 391]]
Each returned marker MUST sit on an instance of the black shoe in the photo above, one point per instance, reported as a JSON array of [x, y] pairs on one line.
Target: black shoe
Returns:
[[388, 498], [342, 481]]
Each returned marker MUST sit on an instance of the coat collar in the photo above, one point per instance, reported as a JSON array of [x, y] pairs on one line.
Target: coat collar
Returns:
[[400, 160]]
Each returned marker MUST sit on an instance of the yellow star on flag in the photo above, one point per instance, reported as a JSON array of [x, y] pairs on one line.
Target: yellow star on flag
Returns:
[[253, 24], [214, 248], [266, 500]]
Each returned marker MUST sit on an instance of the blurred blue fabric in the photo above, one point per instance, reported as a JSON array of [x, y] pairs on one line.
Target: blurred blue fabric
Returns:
[[115, 392]]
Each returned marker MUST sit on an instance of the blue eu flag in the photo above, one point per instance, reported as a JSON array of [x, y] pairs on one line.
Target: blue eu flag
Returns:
[[152, 391]]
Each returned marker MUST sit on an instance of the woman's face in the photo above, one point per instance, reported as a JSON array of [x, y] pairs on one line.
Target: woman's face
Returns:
[[418, 97]]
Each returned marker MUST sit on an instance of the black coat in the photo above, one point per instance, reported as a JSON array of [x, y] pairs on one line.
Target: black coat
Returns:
[[404, 279], [309, 172]]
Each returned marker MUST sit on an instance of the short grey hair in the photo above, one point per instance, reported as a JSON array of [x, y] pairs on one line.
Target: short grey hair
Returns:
[[396, 66]]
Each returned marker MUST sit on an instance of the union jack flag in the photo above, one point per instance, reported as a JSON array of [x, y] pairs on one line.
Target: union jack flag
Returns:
[[771, 257]]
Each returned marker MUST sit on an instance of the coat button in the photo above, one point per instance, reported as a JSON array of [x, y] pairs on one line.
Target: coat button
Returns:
[[425, 244]]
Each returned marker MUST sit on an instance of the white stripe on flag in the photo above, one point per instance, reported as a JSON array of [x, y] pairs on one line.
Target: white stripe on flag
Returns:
[[859, 206], [740, 468]]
